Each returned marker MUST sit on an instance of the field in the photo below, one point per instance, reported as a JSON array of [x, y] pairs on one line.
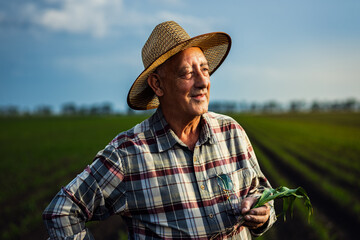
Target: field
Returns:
[[319, 152]]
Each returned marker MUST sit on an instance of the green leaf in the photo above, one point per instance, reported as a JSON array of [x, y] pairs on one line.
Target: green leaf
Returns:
[[289, 196]]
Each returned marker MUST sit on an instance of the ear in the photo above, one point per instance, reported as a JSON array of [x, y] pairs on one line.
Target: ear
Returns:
[[154, 82]]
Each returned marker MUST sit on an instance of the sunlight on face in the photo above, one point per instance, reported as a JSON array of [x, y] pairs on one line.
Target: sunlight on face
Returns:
[[186, 83]]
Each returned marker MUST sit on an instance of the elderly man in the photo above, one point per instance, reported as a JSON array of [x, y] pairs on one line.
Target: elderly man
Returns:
[[184, 173]]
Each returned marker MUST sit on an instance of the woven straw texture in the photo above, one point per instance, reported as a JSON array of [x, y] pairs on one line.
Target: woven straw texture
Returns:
[[166, 40]]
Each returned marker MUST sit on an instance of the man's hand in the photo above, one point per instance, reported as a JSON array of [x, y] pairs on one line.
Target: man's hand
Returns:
[[254, 218]]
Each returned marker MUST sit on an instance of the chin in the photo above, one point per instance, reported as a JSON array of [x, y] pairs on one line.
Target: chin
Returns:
[[199, 110]]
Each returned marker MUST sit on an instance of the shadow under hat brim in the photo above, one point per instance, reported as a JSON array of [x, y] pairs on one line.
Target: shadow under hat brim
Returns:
[[215, 47]]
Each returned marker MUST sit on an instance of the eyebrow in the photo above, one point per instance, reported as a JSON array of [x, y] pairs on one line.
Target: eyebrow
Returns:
[[204, 64], [187, 67]]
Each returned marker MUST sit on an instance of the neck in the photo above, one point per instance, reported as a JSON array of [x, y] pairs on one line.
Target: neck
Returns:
[[188, 130]]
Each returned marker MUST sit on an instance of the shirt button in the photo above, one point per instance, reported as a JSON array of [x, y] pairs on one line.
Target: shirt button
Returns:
[[202, 187], [211, 215]]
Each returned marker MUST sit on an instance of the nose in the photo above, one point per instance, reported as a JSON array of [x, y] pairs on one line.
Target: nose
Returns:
[[202, 79]]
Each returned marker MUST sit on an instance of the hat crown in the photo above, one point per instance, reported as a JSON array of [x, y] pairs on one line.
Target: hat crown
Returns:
[[165, 36]]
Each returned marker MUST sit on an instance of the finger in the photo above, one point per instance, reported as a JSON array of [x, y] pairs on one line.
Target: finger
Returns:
[[256, 218], [263, 210], [246, 204], [253, 222], [252, 225]]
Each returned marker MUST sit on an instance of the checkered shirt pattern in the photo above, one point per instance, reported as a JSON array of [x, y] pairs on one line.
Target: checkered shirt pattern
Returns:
[[162, 189]]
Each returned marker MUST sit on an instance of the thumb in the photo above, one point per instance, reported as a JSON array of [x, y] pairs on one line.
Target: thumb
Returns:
[[246, 204]]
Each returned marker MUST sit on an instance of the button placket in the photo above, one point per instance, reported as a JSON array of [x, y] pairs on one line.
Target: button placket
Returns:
[[201, 179]]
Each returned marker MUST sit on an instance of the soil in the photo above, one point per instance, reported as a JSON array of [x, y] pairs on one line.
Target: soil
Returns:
[[341, 221]]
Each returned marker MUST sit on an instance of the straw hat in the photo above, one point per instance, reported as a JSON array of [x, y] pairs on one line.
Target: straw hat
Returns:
[[166, 40]]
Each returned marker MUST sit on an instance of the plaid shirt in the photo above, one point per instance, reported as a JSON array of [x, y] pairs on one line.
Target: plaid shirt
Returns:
[[162, 189]]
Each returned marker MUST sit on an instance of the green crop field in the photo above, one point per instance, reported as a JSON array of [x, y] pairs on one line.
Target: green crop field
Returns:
[[319, 152]]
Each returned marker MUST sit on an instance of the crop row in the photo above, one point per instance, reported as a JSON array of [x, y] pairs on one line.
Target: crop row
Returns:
[[42, 154], [317, 226], [327, 177], [293, 144]]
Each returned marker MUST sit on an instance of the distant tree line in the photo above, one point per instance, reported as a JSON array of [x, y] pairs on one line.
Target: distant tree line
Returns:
[[67, 109], [95, 109], [347, 105], [71, 109]]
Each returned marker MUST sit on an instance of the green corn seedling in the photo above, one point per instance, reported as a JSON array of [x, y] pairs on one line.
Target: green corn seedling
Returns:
[[288, 196]]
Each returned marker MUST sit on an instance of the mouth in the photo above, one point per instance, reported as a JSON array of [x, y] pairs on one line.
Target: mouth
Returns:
[[199, 97]]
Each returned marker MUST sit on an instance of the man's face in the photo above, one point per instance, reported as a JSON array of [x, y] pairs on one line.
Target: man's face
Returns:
[[185, 81]]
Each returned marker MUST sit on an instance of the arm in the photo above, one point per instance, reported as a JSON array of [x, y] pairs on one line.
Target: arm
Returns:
[[94, 194], [258, 220]]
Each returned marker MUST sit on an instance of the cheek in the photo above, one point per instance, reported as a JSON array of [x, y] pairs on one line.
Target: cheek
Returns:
[[208, 91], [184, 89]]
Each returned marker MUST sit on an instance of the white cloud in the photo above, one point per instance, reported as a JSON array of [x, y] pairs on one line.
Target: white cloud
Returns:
[[80, 16], [99, 18]]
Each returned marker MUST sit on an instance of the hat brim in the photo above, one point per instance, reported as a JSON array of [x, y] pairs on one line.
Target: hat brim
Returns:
[[215, 46]]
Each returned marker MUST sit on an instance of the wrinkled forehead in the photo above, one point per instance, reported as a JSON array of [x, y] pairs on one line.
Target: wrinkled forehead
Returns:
[[185, 55]]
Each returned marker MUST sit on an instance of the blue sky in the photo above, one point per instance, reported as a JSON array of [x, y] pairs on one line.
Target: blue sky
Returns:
[[89, 51]]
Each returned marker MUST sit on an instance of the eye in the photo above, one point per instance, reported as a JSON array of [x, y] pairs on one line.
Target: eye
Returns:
[[187, 75], [205, 70]]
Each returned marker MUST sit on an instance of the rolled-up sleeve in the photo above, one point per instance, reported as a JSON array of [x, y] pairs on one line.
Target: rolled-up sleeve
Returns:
[[260, 184], [95, 194]]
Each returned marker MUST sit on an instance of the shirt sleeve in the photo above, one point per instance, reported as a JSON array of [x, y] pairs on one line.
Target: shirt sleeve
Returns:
[[95, 194], [260, 184]]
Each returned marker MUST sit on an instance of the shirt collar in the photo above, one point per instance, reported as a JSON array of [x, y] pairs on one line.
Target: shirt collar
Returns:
[[166, 138], [161, 129], [207, 129]]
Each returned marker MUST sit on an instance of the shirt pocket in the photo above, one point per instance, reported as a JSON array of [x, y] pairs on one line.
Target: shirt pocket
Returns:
[[230, 188]]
